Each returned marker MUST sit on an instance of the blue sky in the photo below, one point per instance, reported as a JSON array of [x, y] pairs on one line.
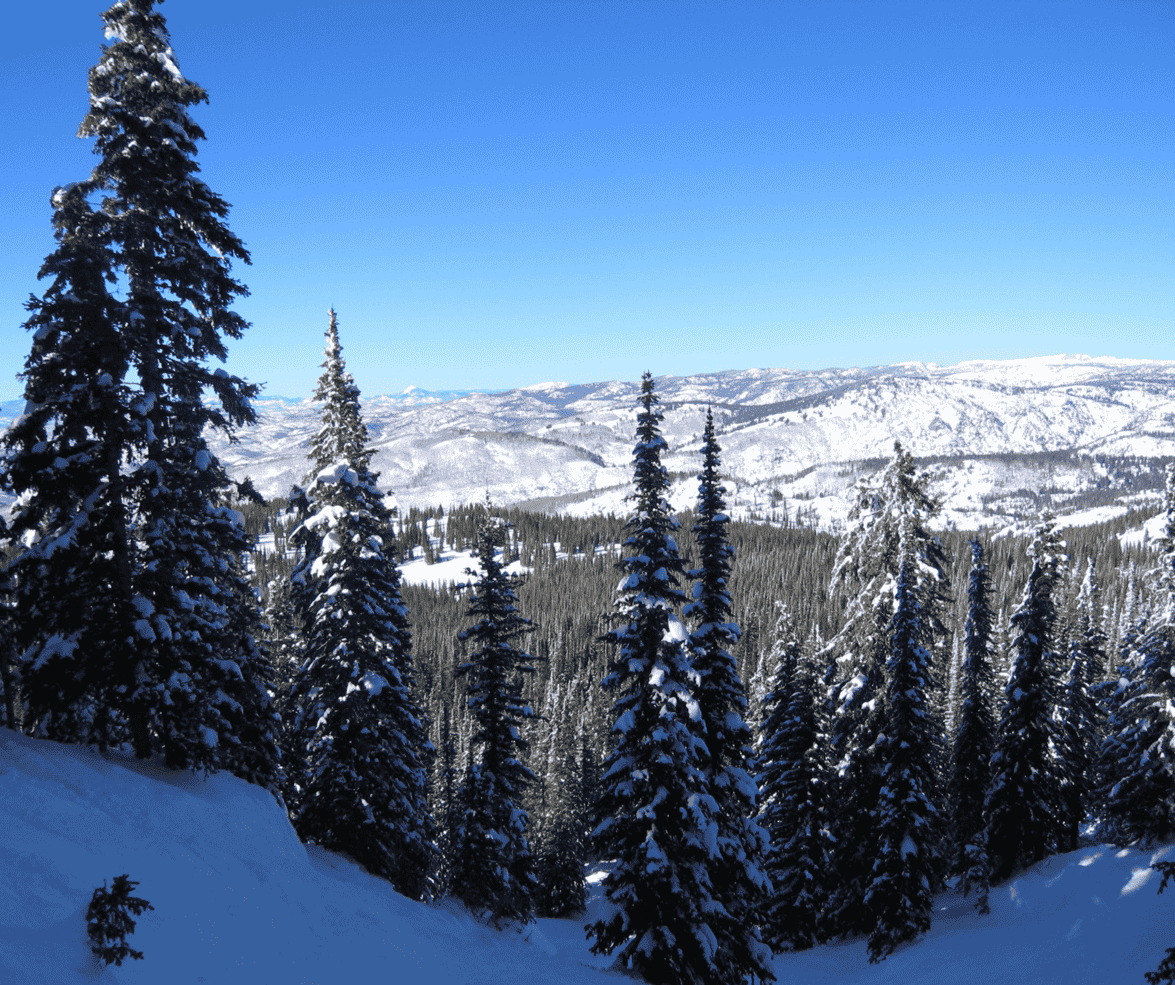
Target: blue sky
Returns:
[[494, 194]]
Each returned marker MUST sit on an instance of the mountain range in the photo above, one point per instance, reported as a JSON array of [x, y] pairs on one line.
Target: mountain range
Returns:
[[1002, 438]]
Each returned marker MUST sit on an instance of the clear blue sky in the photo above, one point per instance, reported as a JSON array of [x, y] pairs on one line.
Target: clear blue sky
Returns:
[[495, 194]]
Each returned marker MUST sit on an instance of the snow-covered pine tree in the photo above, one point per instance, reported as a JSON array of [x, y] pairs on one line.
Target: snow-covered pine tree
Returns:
[[73, 572], [444, 800], [7, 640], [343, 434], [907, 868], [1082, 718], [1023, 808], [865, 572], [655, 815], [113, 440], [362, 738], [564, 890], [1137, 755], [494, 874], [974, 737], [793, 783], [737, 877]]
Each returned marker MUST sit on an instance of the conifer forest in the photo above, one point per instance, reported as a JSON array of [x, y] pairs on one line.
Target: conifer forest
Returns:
[[772, 736]]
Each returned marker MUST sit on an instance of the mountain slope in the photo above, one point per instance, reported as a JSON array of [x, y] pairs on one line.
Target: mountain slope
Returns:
[[237, 899], [799, 435], [563, 444]]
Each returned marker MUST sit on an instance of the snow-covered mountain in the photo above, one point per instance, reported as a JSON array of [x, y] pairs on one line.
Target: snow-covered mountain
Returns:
[[995, 434], [790, 438]]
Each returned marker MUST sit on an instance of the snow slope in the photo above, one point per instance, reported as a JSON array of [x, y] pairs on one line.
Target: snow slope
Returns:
[[239, 900], [570, 446], [563, 447]]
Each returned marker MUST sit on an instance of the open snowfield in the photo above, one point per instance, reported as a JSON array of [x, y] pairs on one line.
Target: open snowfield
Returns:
[[239, 900]]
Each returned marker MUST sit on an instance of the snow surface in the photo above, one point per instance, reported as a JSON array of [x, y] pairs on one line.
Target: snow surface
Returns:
[[239, 900], [450, 568]]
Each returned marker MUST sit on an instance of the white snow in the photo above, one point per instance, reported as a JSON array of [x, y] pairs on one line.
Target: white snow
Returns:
[[374, 683], [451, 568], [1147, 534], [569, 449], [237, 899]]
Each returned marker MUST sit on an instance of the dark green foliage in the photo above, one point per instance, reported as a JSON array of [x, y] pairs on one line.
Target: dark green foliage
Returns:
[[739, 882], [1023, 807], [1082, 716], [108, 920], [343, 435], [562, 889], [136, 618], [1166, 969], [794, 785], [493, 874], [655, 818], [1137, 757], [907, 868], [359, 739], [891, 510], [974, 738]]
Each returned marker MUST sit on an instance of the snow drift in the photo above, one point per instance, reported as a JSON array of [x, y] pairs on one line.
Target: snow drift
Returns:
[[239, 900]]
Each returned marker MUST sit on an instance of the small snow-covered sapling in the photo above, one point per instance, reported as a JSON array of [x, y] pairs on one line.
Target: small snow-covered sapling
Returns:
[[108, 920]]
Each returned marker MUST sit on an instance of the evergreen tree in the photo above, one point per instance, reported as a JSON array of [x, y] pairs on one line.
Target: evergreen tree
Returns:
[[656, 818], [343, 434], [974, 737], [793, 781], [1082, 720], [890, 510], [7, 641], [1137, 755], [494, 876], [737, 877], [445, 803], [907, 867], [73, 579], [563, 887], [1023, 807], [1165, 972], [123, 510], [358, 731]]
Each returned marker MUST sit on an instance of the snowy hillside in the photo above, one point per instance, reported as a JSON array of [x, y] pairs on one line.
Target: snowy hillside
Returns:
[[237, 899], [568, 447], [791, 439]]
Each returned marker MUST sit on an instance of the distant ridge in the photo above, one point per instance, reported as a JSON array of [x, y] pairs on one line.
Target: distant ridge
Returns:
[[793, 440]]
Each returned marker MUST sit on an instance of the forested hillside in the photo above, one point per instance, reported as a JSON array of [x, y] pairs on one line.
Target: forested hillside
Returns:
[[759, 735]]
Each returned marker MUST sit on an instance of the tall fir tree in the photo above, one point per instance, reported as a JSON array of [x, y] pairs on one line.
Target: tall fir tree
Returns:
[[123, 510], [494, 873], [7, 639], [563, 887], [907, 867], [655, 816], [892, 508], [974, 737], [444, 800], [1082, 718], [737, 876], [361, 739], [1138, 754], [793, 780], [1023, 808], [342, 436]]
